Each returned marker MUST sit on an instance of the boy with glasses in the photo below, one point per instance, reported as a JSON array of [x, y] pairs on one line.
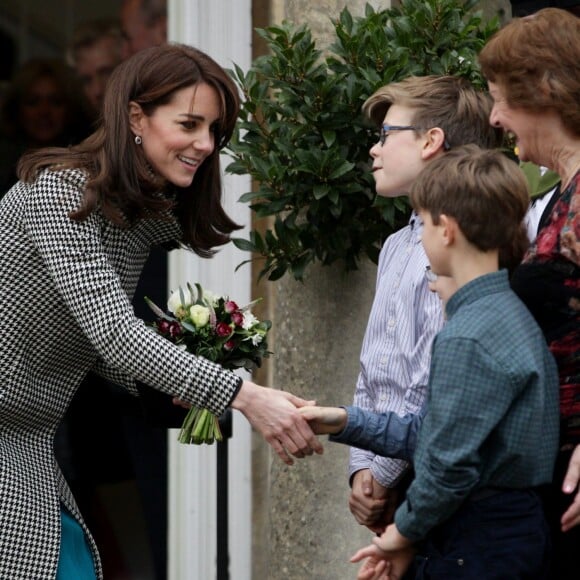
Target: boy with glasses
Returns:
[[421, 118]]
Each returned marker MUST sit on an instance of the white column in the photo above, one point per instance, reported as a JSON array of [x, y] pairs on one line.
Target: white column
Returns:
[[222, 28]]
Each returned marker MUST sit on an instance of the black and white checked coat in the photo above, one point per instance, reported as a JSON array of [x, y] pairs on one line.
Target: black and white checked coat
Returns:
[[65, 308]]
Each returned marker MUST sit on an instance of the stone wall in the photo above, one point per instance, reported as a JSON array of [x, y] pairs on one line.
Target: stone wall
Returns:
[[319, 15], [320, 330]]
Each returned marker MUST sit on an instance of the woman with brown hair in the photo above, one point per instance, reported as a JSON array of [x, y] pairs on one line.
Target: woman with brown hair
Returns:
[[76, 231], [43, 107], [533, 69]]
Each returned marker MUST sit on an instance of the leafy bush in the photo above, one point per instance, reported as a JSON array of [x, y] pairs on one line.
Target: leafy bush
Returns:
[[304, 141]]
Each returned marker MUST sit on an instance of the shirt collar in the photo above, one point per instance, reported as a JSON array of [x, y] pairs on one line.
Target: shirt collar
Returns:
[[416, 225], [481, 286]]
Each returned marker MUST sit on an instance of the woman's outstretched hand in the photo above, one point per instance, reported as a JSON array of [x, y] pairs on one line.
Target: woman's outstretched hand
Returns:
[[275, 415]]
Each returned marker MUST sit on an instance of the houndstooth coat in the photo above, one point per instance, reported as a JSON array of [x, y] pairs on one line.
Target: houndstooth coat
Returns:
[[65, 308]]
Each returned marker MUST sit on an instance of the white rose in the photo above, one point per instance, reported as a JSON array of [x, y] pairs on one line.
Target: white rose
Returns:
[[199, 315], [176, 306]]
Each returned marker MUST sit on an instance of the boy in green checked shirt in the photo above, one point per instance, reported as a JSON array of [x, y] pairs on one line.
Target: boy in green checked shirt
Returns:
[[489, 437]]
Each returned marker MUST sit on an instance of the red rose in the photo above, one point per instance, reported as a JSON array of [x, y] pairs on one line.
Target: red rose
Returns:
[[174, 329], [169, 328], [163, 326], [222, 329], [230, 306], [237, 318], [230, 345]]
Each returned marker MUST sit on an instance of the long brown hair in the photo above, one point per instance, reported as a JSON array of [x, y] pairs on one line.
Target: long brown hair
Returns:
[[120, 182]]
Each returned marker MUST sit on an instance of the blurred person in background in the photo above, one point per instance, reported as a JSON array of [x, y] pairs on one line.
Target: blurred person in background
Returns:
[[144, 24], [97, 47], [43, 106]]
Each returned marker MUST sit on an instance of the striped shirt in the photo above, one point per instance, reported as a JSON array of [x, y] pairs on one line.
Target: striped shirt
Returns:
[[396, 351]]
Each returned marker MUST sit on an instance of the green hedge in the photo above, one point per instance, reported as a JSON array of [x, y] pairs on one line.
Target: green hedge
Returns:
[[303, 139]]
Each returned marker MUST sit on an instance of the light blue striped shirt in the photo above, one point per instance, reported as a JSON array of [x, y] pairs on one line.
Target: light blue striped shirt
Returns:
[[396, 351]]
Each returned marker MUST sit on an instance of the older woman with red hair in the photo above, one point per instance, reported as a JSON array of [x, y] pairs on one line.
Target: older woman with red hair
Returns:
[[533, 69]]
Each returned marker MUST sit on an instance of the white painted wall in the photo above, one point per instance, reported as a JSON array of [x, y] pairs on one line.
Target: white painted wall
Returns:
[[222, 28]]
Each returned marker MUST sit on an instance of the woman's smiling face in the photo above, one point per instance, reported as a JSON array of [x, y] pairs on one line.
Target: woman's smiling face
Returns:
[[179, 136], [516, 122]]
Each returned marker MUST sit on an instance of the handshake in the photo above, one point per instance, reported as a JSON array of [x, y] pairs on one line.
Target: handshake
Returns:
[[287, 422], [290, 424]]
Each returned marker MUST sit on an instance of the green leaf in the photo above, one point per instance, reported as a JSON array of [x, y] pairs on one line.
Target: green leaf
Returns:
[[157, 311], [188, 326], [277, 273], [320, 191], [343, 168], [329, 138], [242, 244]]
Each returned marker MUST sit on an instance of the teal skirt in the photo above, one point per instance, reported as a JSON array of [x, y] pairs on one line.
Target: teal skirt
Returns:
[[76, 560]]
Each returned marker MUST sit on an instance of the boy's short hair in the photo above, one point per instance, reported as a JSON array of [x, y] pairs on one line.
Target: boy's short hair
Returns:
[[482, 189], [451, 103]]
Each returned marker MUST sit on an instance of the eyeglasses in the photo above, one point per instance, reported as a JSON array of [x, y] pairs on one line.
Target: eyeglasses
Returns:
[[430, 275], [386, 128]]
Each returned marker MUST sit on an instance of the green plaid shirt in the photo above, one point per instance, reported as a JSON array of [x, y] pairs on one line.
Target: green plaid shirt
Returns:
[[492, 411]]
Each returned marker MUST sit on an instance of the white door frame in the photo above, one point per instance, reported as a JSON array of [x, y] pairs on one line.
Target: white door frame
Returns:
[[222, 28]]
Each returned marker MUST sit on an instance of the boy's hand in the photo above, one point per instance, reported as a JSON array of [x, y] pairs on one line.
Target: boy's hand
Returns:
[[391, 567], [571, 517], [391, 540], [367, 501], [375, 567], [324, 420], [387, 558], [388, 513]]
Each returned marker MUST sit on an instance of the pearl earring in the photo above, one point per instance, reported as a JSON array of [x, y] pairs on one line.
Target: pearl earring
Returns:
[[138, 140]]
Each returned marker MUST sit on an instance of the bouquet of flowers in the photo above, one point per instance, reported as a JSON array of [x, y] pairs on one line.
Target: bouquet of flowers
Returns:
[[216, 328]]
